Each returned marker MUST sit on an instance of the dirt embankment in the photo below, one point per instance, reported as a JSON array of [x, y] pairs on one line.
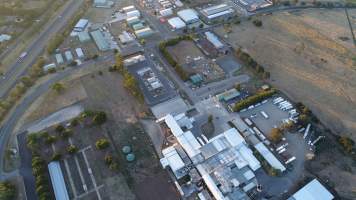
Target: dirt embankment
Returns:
[[307, 60]]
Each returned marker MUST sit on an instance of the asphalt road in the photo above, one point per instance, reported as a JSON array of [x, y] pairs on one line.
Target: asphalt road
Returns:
[[7, 129], [36, 48]]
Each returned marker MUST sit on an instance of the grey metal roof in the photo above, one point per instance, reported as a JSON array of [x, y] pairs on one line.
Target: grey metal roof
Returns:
[[100, 40]]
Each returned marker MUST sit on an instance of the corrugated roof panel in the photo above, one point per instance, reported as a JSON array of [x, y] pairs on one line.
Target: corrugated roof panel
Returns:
[[58, 184]]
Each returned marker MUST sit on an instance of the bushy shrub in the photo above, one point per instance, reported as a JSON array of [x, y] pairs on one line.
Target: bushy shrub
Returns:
[[72, 149], [102, 144], [253, 99]]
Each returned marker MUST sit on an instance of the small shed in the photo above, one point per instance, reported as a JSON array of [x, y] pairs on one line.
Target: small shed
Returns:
[[59, 58], [79, 52], [69, 56]]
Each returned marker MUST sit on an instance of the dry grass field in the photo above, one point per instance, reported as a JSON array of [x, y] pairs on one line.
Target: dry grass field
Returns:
[[311, 58]]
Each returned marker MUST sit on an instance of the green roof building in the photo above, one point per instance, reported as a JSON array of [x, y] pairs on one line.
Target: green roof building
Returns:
[[196, 79], [228, 95]]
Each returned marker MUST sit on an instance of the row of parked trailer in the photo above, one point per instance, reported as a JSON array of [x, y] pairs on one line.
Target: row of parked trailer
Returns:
[[285, 105]]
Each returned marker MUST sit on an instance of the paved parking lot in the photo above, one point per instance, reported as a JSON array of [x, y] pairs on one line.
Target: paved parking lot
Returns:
[[275, 114], [153, 97]]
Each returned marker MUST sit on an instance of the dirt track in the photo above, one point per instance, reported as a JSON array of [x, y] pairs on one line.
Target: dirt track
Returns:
[[307, 60]]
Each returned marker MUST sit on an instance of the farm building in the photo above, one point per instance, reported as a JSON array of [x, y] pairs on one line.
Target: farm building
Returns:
[[103, 3], [166, 12], [100, 40], [176, 23], [214, 40], [128, 8], [59, 59], [221, 12], [132, 20], [138, 26], [69, 56], [314, 190], [143, 32], [81, 25], [126, 37], [189, 16]]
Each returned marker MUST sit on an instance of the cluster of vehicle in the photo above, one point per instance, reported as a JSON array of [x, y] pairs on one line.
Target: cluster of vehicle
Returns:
[[285, 105]]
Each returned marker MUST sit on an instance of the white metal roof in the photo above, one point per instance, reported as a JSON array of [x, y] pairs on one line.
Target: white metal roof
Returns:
[[176, 23], [81, 24], [186, 139], [69, 56], [240, 124], [247, 154], [188, 15], [79, 52], [213, 39], [269, 157], [220, 14], [210, 183], [58, 184], [233, 137], [173, 125], [59, 58], [174, 160], [314, 190]]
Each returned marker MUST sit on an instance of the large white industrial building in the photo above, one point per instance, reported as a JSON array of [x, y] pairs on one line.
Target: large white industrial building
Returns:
[[314, 190], [224, 163], [176, 23], [221, 12], [189, 16]]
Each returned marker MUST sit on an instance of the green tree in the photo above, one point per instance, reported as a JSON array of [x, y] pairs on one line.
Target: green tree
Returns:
[[276, 135], [51, 139], [102, 144], [7, 191], [27, 81], [119, 64], [72, 149], [60, 128], [109, 159], [56, 156], [210, 118], [58, 87], [99, 118], [66, 133]]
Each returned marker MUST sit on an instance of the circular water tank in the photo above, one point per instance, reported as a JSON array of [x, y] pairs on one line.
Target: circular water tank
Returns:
[[126, 149], [130, 157]]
